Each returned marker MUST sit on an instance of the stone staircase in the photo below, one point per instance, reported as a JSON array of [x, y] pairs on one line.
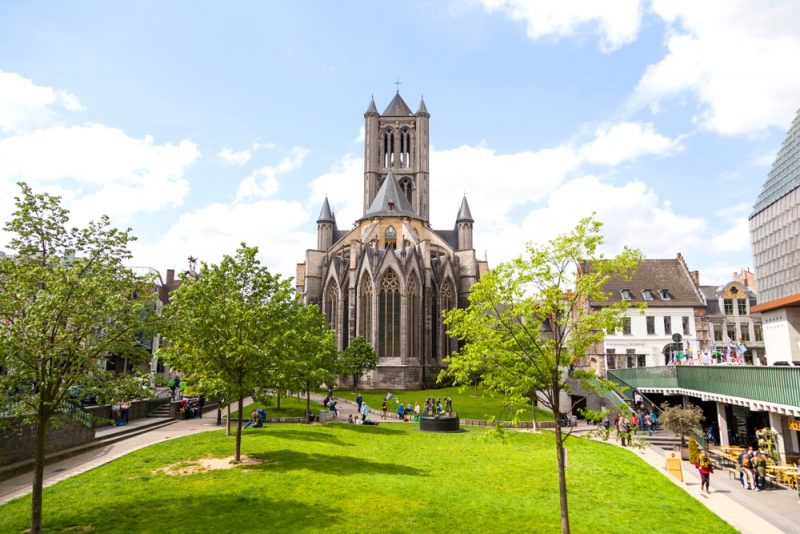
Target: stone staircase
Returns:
[[661, 438], [161, 411]]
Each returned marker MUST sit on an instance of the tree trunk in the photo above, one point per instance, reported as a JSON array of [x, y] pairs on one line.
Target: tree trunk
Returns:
[[238, 454], [308, 403], [38, 475], [228, 425], [562, 481], [278, 401], [533, 411], [219, 412], [355, 382]]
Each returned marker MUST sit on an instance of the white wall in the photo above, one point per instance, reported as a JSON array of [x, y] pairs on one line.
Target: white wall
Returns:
[[652, 345], [782, 334]]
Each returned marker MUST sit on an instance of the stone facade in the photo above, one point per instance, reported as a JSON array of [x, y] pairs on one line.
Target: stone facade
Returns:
[[390, 277]]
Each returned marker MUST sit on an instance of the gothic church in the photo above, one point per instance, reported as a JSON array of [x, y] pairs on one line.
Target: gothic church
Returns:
[[391, 276]]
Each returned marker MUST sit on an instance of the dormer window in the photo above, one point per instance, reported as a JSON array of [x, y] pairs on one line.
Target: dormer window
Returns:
[[626, 294], [664, 294], [390, 239], [647, 294]]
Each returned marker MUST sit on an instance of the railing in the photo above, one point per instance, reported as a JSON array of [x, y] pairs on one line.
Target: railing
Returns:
[[779, 385], [76, 413]]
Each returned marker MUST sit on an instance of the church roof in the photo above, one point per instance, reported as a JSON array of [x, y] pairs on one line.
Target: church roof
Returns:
[[449, 236], [325, 214], [422, 110], [372, 109], [397, 107], [464, 213], [785, 173], [390, 201]]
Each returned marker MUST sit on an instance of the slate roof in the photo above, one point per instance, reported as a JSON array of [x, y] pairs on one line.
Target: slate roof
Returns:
[[372, 110], [422, 110], [397, 107], [450, 237], [669, 274], [712, 299], [463, 212], [390, 201], [325, 214], [785, 173]]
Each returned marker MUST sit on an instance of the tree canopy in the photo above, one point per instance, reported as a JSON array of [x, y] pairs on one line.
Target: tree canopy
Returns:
[[235, 324], [67, 303], [529, 318], [358, 358]]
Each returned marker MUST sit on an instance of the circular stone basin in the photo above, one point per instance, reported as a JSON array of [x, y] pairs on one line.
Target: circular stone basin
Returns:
[[439, 423]]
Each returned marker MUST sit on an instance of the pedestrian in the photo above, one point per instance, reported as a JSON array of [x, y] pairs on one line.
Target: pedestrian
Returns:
[[416, 410], [384, 408], [172, 385], [759, 463], [201, 402], [706, 467], [746, 462], [177, 391], [359, 400], [400, 411], [648, 424]]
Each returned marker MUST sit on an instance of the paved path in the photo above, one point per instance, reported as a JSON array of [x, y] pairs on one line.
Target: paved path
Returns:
[[19, 486], [774, 510]]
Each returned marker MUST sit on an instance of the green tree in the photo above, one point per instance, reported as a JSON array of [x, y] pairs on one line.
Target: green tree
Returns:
[[67, 303], [311, 359], [358, 358], [230, 324], [681, 421], [528, 319]]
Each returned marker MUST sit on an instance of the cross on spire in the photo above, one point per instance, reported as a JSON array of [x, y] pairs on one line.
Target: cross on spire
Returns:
[[397, 83]]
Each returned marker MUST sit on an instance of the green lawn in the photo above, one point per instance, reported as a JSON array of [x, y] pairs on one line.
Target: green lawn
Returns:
[[290, 407], [352, 478], [468, 406]]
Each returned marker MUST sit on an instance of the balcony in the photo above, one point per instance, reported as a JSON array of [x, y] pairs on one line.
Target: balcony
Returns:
[[776, 386]]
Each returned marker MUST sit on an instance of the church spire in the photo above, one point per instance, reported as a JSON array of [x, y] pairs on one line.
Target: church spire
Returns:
[[325, 214], [372, 109], [463, 213], [422, 110]]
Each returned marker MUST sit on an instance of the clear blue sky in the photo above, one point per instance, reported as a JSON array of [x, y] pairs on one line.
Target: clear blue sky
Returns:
[[205, 124]]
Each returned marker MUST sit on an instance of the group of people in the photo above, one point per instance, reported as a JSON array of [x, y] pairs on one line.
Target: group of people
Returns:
[[640, 420], [190, 407], [752, 467], [257, 419], [119, 412]]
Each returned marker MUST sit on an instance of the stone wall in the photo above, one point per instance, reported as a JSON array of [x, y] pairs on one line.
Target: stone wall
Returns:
[[18, 441], [102, 413]]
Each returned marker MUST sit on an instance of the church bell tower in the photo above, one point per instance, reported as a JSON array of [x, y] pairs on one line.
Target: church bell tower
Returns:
[[397, 142]]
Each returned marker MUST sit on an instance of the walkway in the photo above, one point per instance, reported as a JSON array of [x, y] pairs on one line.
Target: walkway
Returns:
[[19, 486]]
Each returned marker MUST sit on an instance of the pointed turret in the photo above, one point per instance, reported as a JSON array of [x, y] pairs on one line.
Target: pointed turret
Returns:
[[372, 109], [326, 226], [397, 107], [422, 110], [463, 213], [390, 201], [325, 214], [464, 222]]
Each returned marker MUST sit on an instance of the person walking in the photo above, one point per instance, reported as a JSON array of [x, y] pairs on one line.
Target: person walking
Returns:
[[759, 462], [705, 467], [359, 400], [746, 463], [383, 408]]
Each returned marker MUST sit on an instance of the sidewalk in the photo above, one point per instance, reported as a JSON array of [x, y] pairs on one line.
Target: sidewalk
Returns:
[[773, 510], [20, 485]]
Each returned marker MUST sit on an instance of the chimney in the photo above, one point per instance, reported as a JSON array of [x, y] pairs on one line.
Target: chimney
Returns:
[[695, 276], [170, 276]]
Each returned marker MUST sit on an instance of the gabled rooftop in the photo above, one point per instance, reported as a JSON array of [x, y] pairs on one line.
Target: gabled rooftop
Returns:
[[785, 173]]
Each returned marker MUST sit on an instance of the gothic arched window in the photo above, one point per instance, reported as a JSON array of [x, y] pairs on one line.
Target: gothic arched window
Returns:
[[389, 315], [390, 239], [412, 315], [365, 309], [448, 302], [332, 304]]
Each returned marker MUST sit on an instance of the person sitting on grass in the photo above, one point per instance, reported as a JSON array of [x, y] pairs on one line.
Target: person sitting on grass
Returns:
[[254, 421]]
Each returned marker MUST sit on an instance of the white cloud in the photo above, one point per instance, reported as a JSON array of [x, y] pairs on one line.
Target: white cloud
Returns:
[[235, 157], [616, 143], [208, 233], [617, 21], [738, 58], [735, 239], [343, 185], [250, 187], [361, 136], [25, 106], [100, 170]]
